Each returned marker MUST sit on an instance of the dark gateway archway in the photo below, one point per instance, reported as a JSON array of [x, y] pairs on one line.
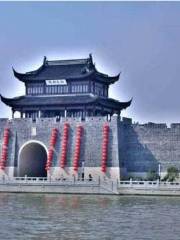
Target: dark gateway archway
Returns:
[[32, 160]]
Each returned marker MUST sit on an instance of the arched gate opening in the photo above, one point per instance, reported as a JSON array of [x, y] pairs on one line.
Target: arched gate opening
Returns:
[[32, 160]]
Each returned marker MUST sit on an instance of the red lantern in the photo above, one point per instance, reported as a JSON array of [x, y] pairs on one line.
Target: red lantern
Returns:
[[4, 153], [52, 144], [77, 147], [105, 142], [64, 145]]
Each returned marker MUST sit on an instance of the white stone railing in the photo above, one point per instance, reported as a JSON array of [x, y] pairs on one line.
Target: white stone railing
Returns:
[[45, 180], [107, 185], [115, 183], [148, 184]]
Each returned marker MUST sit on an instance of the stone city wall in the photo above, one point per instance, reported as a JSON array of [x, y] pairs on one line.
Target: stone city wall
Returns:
[[23, 131], [145, 147], [136, 148]]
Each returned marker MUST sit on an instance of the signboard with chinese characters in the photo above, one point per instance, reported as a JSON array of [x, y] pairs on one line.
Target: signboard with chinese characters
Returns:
[[56, 82]]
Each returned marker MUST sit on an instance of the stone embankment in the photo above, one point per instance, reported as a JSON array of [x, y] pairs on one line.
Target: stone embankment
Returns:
[[44, 185]]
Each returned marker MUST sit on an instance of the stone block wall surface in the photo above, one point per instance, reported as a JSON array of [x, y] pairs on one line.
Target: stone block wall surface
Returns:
[[135, 148], [22, 132], [143, 147]]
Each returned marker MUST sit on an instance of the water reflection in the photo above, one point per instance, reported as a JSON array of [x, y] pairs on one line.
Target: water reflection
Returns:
[[53, 216]]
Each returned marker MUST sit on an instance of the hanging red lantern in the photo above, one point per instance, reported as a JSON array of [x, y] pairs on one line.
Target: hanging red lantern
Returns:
[[64, 145], [77, 150], [4, 152], [105, 143], [52, 143]]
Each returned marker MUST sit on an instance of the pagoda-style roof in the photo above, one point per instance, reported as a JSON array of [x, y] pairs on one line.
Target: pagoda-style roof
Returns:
[[66, 69], [64, 100]]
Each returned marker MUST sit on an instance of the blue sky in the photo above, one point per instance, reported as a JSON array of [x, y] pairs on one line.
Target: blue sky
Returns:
[[140, 39]]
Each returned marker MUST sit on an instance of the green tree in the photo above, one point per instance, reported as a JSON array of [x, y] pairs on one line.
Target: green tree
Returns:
[[172, 174]]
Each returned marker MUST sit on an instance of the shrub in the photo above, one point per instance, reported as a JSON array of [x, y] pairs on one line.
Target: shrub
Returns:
[[172, 174]]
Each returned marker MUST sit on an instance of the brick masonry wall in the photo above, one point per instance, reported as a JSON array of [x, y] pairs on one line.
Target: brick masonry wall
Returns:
[[137, 148], [144, 147], [21, 133]]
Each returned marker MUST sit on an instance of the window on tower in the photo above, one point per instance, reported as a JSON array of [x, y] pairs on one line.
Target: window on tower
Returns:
[[35, 89], [79, 87], [57, 89]]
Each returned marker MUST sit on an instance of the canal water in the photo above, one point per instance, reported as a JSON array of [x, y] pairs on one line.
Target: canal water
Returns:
[[66, 217]]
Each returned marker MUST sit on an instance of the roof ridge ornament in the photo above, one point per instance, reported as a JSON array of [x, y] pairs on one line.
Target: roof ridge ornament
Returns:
[[44, 60], [90, 63], [90, 58]]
